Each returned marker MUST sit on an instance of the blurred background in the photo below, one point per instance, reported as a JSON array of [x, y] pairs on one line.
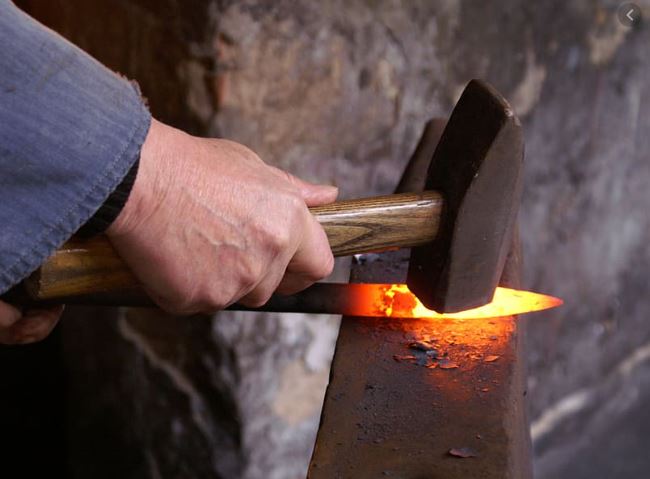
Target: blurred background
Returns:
[[338, 92]]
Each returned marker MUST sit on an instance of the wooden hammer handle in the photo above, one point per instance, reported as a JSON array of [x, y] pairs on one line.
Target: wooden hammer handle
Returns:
[[87, 268], [380, 223]]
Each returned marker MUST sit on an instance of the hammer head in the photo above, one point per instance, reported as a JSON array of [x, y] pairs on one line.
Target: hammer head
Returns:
[[477, 167]]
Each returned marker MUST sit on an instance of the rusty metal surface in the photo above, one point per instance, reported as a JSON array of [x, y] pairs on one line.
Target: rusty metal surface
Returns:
[[397, 418], [386, 415]]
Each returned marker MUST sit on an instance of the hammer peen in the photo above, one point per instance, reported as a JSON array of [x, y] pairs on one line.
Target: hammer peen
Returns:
[[459, 227]]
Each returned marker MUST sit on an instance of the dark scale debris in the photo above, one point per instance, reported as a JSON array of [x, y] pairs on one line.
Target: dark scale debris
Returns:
[[421, 346], [404, 357], [428, 354], [447, 364], [423, 360], [462, 452]]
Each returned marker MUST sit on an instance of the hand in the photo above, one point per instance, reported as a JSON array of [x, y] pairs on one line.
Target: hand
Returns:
[[18, 327], [208, 224]]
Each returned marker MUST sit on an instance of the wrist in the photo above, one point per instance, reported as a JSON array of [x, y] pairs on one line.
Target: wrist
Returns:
[[139, 201]]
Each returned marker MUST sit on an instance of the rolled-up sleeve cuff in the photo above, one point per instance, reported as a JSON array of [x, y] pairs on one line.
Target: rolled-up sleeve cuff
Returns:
[[70, 130]]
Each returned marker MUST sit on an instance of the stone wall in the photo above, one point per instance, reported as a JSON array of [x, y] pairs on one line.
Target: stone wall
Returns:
[[338, 92]]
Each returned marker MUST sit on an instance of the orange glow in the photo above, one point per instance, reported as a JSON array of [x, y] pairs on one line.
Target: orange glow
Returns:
[[396, 301]]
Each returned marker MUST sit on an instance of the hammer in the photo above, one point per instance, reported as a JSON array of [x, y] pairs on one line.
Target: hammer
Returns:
[[459, 227]]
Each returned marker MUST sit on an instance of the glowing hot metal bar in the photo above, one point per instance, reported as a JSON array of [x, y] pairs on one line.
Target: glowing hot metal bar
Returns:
[[396, 301]]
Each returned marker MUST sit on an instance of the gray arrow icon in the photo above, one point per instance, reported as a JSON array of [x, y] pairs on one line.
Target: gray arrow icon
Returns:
[[629, 14]]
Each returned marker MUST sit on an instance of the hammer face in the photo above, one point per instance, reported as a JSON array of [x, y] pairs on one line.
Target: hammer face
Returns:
[[477, 167]]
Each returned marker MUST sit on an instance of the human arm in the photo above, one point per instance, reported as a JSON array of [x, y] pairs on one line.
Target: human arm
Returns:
[[70, 132]]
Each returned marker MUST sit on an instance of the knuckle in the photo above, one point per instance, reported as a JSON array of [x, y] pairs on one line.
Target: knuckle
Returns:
[[250, 273], [216, 300], [252, 302], [8, 315], [280, 239], [190, 298], [241, 150], [176, 304], [297, 203], [327, 266], [322, 269], [34, 330], [256, 299], [297, 214], [289, 177], [208, 301]]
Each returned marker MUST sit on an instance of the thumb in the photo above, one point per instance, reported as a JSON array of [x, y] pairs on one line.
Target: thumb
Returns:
[[317, 195], [313, 194]]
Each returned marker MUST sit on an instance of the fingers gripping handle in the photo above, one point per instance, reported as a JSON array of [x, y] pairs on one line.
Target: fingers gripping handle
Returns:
[[83, 268]]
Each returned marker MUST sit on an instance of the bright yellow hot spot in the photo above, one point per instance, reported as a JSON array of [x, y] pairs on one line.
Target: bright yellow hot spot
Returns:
[[399, 302]]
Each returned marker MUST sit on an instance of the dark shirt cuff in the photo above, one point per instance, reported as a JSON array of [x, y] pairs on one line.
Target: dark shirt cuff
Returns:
[[110, 210]]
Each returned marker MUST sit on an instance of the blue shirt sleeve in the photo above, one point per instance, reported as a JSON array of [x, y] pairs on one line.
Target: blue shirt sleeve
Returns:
[[70, 129]]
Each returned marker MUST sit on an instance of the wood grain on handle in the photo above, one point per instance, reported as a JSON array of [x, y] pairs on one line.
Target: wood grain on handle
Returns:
[[87, 268], [380, 223]]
